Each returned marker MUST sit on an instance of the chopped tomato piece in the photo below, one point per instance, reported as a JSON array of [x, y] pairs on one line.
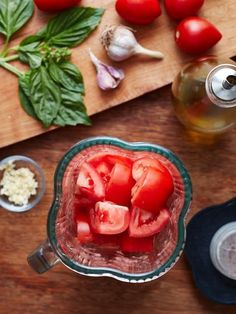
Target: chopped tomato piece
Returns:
[[137, 245], [145, 224], [109, 218], [152, 190], [120, 185], [142, 164], [84, 233], [89, 184]]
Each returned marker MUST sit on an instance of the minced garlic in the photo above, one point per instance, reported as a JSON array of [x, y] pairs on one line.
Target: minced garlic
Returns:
[[18, 185]]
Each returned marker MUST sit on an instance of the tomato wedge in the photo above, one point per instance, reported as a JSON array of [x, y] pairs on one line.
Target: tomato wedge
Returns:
[[137, 245], [145, 224], [84, 233], [89, 184], [120, 185], [109, 218], [141, 165], [152, 190]]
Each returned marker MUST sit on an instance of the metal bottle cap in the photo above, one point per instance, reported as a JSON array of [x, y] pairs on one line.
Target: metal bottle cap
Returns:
[[221, 85]]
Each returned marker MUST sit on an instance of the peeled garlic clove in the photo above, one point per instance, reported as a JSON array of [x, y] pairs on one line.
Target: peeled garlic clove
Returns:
[[108, 77]]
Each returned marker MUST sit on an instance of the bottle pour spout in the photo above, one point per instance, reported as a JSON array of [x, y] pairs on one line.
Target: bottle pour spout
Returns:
[[221, 85]]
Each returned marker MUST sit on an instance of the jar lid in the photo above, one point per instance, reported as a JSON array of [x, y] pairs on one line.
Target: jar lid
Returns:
[[221, 85], [223, 250]]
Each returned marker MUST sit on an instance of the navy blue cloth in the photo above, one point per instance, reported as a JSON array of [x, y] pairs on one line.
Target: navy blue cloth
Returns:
[[200, 231]]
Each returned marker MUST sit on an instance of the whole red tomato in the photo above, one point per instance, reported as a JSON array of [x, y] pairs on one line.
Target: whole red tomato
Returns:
[[179, 9], [138, 11], [55, 5], [195, 35]]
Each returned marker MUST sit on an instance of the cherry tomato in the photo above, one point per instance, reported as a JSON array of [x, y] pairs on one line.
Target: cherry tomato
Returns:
[[137, 245], [84, 233], [152, 190], [138, 11], [195, 35], [144, 224], [140, 165], [120, 185], [89, 183], [55, 5], [109, 218], [179, 9]]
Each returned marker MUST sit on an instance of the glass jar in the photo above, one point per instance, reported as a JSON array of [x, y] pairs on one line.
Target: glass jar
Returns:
[[204, 96]]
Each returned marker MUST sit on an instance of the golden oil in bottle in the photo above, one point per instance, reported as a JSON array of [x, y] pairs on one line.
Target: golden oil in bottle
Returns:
[[204, 97]]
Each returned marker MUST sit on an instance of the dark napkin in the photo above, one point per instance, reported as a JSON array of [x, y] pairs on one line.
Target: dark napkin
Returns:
[[200, 231]]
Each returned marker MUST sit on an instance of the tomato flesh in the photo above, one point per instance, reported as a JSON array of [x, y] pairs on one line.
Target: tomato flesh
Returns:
[[84, 233], [145, 224], [138, 11], [55, 5], [89, 183], [120, 185], [140, 166], [152, 190], [179, 9], [109, 218], [137, 245]]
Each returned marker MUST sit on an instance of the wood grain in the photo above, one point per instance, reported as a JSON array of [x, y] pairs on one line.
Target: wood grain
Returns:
[[149, 118], [142, 74]]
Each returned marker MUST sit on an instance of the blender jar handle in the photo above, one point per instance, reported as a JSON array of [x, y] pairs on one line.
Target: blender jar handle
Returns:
[[43, 258]]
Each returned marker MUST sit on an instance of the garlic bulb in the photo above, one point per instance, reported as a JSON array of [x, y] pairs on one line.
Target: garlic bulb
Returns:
[[120, 44], [108, 77]]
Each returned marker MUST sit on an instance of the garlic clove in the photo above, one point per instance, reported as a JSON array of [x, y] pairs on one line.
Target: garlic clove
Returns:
[[120, 44], [108, 77]]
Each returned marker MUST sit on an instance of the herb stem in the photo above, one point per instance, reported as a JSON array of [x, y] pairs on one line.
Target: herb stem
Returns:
[[10, 68], [5, 48], [10, 58]]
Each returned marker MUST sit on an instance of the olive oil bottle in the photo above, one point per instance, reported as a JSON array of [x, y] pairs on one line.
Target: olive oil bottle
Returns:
[[204, 97]]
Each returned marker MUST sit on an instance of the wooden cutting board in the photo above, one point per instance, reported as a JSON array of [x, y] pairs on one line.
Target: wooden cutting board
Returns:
[[142, 74]]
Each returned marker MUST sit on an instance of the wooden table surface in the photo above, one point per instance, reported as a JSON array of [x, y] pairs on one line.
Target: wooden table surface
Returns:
[[149, 118]]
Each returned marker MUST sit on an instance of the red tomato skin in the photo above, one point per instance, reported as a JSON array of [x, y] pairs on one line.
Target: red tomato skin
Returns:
[[120, 185], [89, 183], [137, 245], [179, 9], [55, 5], [109, 218], [195, 35], [152, 191], [138, 12], [145, 224]]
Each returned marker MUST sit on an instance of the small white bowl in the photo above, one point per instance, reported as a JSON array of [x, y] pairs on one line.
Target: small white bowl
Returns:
[[22, 161]]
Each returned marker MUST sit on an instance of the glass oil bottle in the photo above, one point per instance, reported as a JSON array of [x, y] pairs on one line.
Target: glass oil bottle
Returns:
[[204, 97]]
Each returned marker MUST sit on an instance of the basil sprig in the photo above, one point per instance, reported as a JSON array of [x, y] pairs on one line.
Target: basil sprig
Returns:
[[52, 90]]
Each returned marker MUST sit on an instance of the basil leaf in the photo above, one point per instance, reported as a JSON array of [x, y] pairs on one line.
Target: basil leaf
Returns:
[[72, 110], [45, 96], [14, 14], [68, 76], [24, 94], [71, 27], [29, 53]]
